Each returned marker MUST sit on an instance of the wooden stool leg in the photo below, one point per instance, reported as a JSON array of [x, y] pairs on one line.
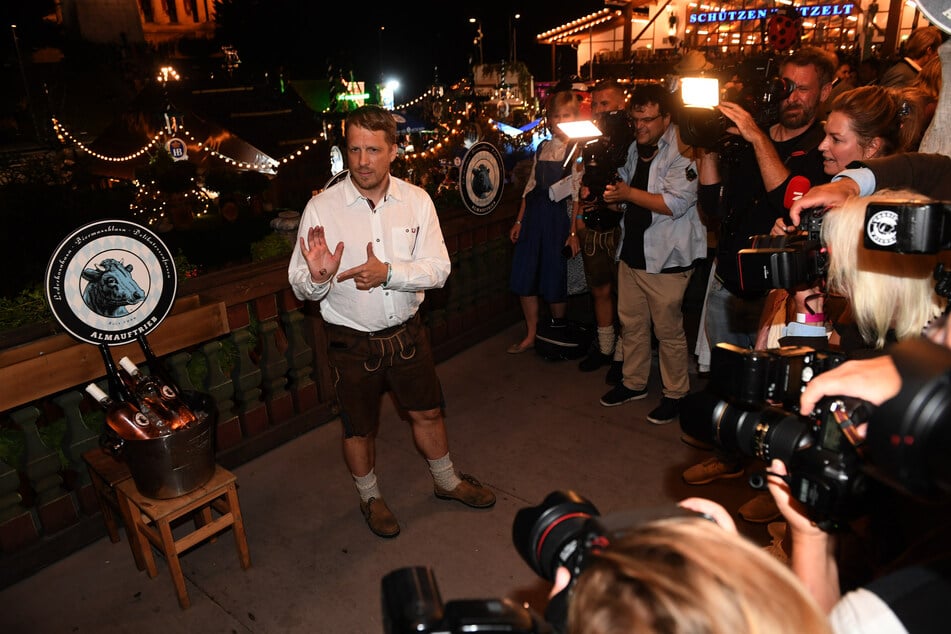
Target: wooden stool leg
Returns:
[[240, 539], [99, 486], [138, 542], [174, 565]]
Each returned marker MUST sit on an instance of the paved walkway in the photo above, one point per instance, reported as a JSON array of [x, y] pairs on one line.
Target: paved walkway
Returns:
[[523, 426]]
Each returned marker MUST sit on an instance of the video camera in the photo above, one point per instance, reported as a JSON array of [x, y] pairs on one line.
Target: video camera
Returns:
[[702, 125], [751, 407], [566, 529], [786, 261], [601, 158]]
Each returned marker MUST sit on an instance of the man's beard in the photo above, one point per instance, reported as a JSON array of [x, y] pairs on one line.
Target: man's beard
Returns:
[[798, 119]]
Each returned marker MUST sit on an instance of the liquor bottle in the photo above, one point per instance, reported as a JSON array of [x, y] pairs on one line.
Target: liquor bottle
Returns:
[[157, 367], [158, 397], [117, 388], [124, 418]]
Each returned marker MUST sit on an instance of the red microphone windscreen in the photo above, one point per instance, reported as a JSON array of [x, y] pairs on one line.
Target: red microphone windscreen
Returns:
[[797, 186]]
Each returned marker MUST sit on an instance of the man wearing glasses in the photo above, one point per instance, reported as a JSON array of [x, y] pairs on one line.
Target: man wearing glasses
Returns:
[[663, 238]]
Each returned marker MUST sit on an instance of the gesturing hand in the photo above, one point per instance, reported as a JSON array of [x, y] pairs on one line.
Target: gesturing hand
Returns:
[[320, 261], [368, 275]]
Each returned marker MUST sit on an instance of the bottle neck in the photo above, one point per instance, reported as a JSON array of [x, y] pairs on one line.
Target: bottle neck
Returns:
[[117, 389]]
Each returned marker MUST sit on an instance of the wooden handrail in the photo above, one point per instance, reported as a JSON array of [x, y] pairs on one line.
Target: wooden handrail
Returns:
[[60, 362]]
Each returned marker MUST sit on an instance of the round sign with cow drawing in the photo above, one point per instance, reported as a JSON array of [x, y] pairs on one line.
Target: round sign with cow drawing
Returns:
[[481, 178], [110, 281]]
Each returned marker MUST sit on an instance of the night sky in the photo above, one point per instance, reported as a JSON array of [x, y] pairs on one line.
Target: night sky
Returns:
[[416, 39]]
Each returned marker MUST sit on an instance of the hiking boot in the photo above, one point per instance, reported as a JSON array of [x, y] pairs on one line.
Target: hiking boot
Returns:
[[667, 412], [711, 469], [470, 492], [615, 373], [622, 394], [594, 361], [761, 509], [379, 518]]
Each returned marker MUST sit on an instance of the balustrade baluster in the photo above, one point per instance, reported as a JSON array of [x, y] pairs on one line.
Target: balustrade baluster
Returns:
[[221, 389], [54, 507]]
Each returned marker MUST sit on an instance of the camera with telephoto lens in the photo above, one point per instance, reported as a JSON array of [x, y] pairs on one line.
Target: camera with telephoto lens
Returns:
[[566, 529], [601, 158], [787, 261], [750, 407], [702, 125]]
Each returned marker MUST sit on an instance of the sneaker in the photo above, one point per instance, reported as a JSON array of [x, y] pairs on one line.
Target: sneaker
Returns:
[[711, 469], [622, 394], [594, 361], [695, 442], [379, 518], [761, 509], [470, 492], [667, 412], [615, 373]]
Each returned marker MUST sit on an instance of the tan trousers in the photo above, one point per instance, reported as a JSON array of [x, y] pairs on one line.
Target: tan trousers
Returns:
[[645, 298]]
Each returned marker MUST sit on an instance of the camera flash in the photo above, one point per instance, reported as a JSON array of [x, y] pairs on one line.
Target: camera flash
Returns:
[[700, 92]]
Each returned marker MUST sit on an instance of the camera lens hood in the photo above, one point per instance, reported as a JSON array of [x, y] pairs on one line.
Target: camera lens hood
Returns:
[[541, 532]]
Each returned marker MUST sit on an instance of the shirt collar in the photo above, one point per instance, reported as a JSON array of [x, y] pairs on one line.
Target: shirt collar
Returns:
[[394, 191]]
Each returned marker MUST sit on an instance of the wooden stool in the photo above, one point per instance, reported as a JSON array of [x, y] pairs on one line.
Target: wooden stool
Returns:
[[153, 520], [106, 472]]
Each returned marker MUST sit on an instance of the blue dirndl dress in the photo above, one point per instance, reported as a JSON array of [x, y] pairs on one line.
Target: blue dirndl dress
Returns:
[[538, 265]]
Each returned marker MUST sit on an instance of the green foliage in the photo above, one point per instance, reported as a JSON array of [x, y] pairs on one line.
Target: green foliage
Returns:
[[29, 307], [271, 246]]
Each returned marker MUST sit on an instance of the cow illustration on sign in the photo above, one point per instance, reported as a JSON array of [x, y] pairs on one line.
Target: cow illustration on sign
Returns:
[[111, 288]]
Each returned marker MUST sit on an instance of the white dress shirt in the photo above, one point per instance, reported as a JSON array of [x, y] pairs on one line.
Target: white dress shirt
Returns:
[[404, 230]]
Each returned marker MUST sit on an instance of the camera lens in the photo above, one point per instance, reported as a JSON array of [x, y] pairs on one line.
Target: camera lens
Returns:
[[546, 536]]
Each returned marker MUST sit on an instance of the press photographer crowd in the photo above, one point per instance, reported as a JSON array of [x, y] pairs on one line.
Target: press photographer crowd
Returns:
[[823, 339]]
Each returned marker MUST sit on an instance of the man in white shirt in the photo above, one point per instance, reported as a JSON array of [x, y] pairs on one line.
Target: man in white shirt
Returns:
[[389, 250]]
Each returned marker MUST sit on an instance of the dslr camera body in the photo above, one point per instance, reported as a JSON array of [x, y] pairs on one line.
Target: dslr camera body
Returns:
[[601, 158], [787, 261], [750, 407]]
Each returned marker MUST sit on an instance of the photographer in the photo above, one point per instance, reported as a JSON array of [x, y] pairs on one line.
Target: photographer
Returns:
[[683, 575], [663, 240], [909, 589], [599, 228], [747, 189]]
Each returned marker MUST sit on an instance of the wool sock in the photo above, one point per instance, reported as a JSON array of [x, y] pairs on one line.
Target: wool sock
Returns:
[[443, 474], [606, 339], [367, 486]]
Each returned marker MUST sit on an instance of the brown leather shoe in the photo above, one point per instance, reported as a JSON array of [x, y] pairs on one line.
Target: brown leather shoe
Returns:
[[470, 492], [379, 518]]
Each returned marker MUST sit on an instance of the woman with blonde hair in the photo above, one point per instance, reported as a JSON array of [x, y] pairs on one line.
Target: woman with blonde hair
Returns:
[[887, 291], [686, 575]]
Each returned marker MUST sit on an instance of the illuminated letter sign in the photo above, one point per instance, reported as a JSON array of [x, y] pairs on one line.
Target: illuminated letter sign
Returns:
[[740, 15]]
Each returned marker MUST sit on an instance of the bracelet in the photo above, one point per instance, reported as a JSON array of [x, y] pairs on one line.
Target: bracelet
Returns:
[[389, 275], [805, 318], [572, 234], [518, 222]]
